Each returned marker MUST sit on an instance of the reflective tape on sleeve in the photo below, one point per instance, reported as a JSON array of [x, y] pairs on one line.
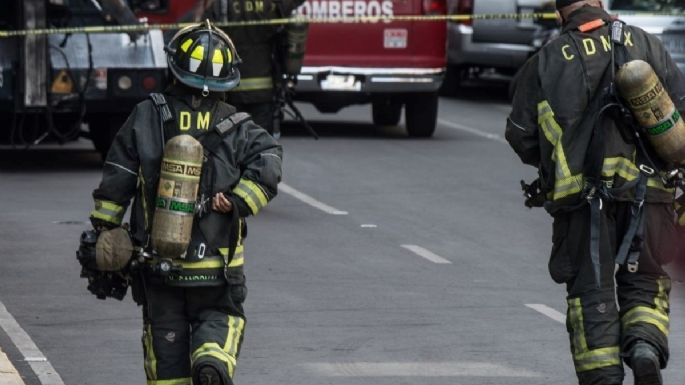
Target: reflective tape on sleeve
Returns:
[[252, 194], [108, 211]]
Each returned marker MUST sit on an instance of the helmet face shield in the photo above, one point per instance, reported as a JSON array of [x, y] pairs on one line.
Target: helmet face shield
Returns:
[[203, 57]]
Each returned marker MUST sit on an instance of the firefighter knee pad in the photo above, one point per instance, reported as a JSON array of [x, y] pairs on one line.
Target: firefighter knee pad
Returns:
[[209, 373]]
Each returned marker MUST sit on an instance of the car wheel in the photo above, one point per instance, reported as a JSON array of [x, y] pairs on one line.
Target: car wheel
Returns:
[[103, 128], [386, 112], [421, 114]]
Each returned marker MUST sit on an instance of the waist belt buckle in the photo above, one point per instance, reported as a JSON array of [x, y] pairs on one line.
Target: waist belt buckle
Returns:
[[646, 169], [632, 267]]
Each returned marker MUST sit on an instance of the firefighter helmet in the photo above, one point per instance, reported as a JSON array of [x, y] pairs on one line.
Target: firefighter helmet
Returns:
[[202, 56]]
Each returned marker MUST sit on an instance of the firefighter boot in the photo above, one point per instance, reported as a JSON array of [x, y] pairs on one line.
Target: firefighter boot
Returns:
[[208, 375], [644, 360]]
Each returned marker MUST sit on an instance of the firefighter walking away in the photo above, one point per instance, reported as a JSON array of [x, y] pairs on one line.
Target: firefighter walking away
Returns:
[[194, 168], [590, 112]]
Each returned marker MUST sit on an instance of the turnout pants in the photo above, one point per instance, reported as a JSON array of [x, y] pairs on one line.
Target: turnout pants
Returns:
[[603, 323], [186, 328]]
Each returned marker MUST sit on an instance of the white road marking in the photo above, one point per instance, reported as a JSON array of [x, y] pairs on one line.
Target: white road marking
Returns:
[[309, 200], [548, 311], [41, 366], [471, 130], [427, 254], [418, 369], [369, 226]]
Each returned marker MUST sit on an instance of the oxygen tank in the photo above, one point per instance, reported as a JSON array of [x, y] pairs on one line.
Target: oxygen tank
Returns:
[[654, 110], [176, 195], [297, 40]]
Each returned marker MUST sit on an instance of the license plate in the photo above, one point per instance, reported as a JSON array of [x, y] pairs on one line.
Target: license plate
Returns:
[[395, 38], [674, 43], [341, 83]]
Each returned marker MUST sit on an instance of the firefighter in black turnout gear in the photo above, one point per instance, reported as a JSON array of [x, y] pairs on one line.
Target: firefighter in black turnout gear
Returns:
[[261, 49], [192, 303], [605, 188]]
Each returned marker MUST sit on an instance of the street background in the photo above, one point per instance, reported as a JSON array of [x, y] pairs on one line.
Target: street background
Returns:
[[437, 274]]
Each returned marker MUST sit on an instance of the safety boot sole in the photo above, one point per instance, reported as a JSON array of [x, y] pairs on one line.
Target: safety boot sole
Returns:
[[647, 371]]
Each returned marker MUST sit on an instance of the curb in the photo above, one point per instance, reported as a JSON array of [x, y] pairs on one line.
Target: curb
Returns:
[[8, 374]]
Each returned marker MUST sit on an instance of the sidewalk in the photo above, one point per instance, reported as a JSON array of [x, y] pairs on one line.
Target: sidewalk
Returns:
[[8, 374]]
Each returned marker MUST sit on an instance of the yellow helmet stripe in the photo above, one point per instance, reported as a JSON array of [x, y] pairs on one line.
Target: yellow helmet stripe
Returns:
[[186, 44], [218, 58], [229, 55], [198, 53]]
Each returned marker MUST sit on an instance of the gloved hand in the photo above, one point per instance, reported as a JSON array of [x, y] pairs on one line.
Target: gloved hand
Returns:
[[533, 194]]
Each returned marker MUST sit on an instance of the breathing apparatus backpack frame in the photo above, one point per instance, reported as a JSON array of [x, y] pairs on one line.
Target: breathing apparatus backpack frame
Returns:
[[164, 267], [596, 191]]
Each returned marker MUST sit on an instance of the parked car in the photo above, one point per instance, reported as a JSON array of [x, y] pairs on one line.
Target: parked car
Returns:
[[502, 44]]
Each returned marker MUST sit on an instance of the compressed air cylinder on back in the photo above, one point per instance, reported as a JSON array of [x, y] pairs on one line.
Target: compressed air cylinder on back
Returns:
[[654, 110], [176, 195]]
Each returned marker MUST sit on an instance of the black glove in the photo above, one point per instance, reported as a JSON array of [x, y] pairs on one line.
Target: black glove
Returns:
[[533, 193]]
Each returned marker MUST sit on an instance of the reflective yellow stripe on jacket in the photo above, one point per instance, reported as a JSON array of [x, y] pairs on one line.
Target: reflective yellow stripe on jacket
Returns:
[[565, 183], [108, 211], [252, 194], [584, 358]]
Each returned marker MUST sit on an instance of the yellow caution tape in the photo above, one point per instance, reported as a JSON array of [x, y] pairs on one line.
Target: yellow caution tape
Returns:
[[292, 20]]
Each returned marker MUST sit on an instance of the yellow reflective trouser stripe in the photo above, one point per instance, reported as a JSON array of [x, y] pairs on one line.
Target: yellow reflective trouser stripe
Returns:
[[228, 354], [108, 211], [657, 316], [252, 194], [150, 363], [175, 381], [565, 183], [254, 84], [584, 358], [597, 358]]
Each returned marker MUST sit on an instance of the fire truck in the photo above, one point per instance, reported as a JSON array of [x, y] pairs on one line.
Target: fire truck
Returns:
[[390, 64], [58, 87]]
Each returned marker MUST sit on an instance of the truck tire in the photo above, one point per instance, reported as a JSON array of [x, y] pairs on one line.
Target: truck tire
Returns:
[[103, 128], [386, 112], [421, 114]]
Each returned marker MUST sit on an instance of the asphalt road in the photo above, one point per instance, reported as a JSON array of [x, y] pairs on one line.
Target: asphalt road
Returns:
[[422, 267]]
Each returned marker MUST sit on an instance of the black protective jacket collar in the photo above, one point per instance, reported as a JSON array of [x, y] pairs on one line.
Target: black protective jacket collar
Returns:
[[584, 15]]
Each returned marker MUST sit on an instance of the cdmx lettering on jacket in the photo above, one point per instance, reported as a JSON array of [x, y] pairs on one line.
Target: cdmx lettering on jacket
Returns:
[[250, 6], [590, 46], [201, 119]]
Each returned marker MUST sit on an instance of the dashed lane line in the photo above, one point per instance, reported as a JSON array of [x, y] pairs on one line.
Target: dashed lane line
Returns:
[[309, 200], [47, 375], [548, 311], [471, 130], [427, 254]]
